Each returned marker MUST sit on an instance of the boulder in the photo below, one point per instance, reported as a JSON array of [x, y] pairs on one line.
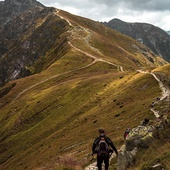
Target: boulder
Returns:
[[126, 158], [139, 137]]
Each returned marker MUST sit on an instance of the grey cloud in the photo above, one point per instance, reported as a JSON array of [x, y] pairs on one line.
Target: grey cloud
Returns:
[[154, 5], [150, 5], [151, 11], [147, 5], [71, 3]]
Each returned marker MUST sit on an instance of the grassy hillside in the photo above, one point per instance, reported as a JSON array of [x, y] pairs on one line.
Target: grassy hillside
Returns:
[[51, 118], [61, 116]]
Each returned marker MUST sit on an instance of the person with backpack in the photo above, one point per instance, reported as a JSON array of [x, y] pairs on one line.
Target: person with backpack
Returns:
[[144, 122], [127, 131], [101, 147]]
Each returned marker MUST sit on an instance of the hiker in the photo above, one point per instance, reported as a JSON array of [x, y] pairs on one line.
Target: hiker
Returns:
[[101, 147], [153, 103], [145, 122], [127, 131]]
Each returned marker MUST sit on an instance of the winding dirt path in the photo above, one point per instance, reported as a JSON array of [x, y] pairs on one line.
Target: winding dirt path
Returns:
[[93, 166], [95, 59], [120, 68], [165, 94], [165, 91], [57, 13], [45, 80]]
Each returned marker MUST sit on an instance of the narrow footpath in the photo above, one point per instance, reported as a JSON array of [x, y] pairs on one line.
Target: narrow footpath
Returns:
[[165, 95], [95, 59], [165, 91]]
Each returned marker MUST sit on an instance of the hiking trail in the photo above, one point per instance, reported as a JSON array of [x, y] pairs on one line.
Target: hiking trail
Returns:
[[120, 68], [165, 91], [165, 95], [95, 59], [93, 166]]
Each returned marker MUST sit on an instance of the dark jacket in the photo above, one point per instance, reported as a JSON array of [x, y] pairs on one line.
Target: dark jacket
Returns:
[[108, 141]]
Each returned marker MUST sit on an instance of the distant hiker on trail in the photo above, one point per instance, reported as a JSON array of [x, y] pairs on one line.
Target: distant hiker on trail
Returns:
[[145, 122], [127, 131], [101, 147]]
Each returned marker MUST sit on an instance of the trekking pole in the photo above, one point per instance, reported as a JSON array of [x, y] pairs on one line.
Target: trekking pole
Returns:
[[110, 153], [92, 157]]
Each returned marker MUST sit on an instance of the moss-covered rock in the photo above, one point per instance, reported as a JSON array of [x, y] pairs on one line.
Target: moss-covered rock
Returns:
[[139, 137]]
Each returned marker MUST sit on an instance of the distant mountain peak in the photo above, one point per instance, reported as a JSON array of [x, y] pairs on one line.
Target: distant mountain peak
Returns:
[[117, 19], [12, 2], [151, 36]]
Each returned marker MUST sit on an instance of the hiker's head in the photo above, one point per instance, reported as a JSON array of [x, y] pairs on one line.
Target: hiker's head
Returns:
[[101, 131]]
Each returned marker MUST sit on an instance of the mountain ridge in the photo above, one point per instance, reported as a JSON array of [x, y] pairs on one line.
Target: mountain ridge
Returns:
[[23, 45], [84, 77]]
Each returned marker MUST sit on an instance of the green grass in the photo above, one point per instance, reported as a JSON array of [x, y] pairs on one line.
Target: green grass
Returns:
[[158, 152], [67, 110], [56, 113]]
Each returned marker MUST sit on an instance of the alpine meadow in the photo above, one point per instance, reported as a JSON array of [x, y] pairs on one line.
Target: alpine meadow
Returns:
[[63, 77]]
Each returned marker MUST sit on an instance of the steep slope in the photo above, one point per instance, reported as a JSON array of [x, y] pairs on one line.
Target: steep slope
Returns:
[[85, 77], [14, 23], [37, 37], [9, 9], [153, 37]]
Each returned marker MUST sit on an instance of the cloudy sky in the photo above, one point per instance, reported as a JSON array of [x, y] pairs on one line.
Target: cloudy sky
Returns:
[[156, 12]]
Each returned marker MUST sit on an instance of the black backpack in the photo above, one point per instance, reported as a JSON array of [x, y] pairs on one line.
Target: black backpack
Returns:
[[103, 147]]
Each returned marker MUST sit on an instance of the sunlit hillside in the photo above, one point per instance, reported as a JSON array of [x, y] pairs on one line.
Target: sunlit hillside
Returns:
[[86, 80]]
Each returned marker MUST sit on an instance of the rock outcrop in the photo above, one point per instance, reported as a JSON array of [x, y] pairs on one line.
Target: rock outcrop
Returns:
[[126, 158], [140, 137], [9, 9], [14, 22]]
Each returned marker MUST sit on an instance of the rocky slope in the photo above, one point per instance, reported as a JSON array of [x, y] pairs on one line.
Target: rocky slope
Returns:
[[153, 37], [16, 19], [9, 9]]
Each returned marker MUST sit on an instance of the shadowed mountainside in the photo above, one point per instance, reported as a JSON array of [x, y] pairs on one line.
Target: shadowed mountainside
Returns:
[[153, 37]]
